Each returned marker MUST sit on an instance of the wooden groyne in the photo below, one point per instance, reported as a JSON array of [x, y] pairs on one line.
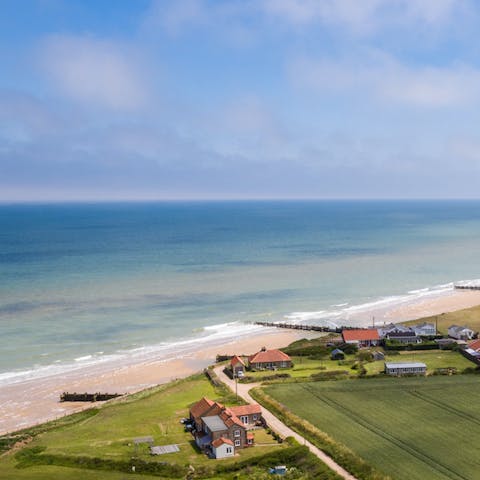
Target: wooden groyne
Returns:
[[302, 326], [88, 397], [466, 287]]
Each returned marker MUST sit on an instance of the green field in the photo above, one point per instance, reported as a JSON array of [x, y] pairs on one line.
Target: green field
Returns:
[[107, 434], [409, 428]]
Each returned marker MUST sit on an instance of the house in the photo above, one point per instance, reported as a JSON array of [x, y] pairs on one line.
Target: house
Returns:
[[218, 428], [425, 329], [392, 327], [405, 368], [361, 337], [408, 336], [269, 359], [337, 354], [460, 332], [237, 365], [475, 345]]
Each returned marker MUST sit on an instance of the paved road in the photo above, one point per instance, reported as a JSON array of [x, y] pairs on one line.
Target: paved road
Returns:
[[277, 425]]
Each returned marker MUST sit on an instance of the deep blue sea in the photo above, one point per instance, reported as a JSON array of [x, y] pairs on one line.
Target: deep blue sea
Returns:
[[79, 282]]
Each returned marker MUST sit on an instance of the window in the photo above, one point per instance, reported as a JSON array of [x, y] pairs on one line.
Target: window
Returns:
[[255, 418], [237, 443], [250, 441], [229, 450], [244, 419], [236, 433]]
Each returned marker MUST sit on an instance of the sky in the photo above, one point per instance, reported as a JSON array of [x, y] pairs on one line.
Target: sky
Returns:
[[203, 99]]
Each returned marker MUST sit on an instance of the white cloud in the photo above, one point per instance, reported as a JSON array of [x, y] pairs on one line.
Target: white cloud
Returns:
[[383, 78], [363, 16], [94, 71]]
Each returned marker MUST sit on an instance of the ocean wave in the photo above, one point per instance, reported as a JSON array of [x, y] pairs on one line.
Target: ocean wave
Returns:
[[213, 335], [219, 334], [349, 313]]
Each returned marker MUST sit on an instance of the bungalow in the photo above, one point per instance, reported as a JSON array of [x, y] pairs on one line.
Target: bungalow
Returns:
[[237, 365], [362, 337], [221, 429], [475, 345], [269, 359], [405, 368], [460, 332], [392, 327], [425, 329]]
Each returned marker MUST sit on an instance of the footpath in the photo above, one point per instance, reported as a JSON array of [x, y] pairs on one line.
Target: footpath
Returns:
[[243, 389]]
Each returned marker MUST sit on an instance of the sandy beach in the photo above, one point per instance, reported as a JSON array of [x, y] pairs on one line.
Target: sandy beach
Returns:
[[33, 401]]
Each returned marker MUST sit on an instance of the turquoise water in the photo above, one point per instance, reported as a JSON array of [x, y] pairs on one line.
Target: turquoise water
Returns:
[[81, 281]]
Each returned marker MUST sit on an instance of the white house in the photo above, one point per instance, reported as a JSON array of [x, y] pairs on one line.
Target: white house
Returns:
[[222, 448], [425, 329], [460, 332]]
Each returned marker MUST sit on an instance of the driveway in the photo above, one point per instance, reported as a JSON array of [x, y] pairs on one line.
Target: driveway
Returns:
[[276, 424]]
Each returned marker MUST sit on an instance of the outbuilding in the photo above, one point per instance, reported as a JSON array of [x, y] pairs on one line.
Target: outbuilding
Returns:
[[222, 448], [337, 354], [405, 368]]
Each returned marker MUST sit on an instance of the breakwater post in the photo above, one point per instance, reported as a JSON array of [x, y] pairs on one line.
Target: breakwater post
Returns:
[[88, 397]]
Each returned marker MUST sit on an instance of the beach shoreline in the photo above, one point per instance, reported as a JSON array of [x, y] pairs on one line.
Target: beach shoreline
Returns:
[[36, 400]]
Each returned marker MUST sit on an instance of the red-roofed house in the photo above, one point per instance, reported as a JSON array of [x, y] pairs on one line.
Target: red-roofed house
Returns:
[[366, 337], [475, 345], [270, 359], [213, 422], [237, 365]]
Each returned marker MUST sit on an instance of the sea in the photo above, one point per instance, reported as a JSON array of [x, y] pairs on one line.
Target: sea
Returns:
[[82, 284]]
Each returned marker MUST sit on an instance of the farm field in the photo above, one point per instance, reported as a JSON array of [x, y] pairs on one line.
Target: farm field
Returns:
[[107, 434], [409, 428]]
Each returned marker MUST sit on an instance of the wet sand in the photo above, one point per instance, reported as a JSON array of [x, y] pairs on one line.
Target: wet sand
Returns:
[[34, 401]]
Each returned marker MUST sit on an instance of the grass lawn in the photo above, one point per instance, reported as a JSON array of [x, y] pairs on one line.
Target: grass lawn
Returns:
[[305, 367], [109, 435], [468, 316], [432, 358], [409, 428]]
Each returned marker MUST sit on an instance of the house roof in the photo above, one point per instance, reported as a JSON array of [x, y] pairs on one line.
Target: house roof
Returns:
[[401, 334], [458, 328], [214, 423], [201, 407], [360, 335], [251, 409], [424, 325], [220, 441], [268, 356], [235, 360], [207, 409], [475, 345], [405, 365], [337, 351]]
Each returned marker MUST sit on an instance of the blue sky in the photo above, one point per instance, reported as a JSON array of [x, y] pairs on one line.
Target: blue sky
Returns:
[[207, 99]]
